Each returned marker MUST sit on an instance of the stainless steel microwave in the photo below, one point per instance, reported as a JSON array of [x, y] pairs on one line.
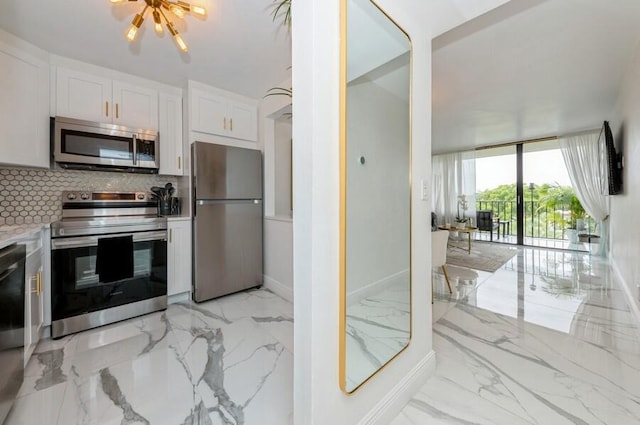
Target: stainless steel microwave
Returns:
[[89, 145]]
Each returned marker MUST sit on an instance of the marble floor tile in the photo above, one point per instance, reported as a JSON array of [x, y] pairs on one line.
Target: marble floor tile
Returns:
[[226, 361], [547, 339]]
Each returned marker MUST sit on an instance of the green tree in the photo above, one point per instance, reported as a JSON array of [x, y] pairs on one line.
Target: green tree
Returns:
[[560, 199], [548, 209]]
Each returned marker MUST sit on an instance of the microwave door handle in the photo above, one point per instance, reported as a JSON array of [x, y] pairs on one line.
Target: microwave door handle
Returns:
[[135, 150]]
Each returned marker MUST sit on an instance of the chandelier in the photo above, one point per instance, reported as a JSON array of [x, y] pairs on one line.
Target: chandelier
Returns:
[[158, 9]]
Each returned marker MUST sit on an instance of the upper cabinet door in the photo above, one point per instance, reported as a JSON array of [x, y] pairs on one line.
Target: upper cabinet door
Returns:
[[135, 106], [216, 114], [171, 149], [24, 111], [244, 121], [209, 113], [83, 96]]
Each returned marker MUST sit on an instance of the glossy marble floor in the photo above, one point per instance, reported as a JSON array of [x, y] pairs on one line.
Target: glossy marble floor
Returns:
[[227, 361], [548, 339]]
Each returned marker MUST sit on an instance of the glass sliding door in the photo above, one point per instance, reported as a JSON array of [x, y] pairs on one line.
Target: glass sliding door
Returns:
[[496, 176], [553, 217]]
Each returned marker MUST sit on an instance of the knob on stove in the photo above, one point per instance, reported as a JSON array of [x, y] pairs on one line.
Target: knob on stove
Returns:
[[84, 196], [71, 196], [141, 196]]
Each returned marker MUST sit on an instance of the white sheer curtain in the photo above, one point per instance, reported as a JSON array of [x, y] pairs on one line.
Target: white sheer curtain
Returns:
[[582, 158], [453, 174]]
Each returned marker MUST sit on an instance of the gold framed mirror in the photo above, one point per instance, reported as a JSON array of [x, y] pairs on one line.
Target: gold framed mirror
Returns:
[[375, 192]]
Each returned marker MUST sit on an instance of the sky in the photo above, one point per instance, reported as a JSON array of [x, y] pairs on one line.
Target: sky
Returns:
[[539, 167]]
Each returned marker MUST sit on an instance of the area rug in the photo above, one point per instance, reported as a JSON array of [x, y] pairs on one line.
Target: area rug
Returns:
[[484, 256]]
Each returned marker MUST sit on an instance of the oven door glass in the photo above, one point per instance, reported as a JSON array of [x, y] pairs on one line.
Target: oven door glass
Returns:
[[77, 289]]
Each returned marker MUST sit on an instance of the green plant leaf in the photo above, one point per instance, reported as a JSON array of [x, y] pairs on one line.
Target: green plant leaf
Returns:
[[282, 10], [279, 91]]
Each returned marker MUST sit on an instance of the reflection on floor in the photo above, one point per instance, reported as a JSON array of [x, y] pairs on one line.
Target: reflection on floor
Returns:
[[538, 242], [378, 328], [227, 361], [547, 339]]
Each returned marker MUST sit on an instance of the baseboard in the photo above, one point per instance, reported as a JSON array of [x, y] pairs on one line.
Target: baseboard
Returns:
[[177, 298], [278, 288], [635, 309], [375, 287], [390, 406]]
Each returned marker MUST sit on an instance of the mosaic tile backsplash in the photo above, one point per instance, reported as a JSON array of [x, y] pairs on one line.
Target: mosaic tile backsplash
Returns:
[[35, 195]]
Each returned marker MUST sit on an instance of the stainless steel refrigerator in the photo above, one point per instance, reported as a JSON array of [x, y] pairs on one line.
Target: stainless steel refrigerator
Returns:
[[227, 219]]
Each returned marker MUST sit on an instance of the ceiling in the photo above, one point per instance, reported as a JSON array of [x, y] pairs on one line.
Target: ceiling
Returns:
[[237, 47], [529, 69]]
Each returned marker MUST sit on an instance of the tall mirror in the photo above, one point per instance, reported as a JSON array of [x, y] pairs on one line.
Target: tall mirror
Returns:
[[376, 192]]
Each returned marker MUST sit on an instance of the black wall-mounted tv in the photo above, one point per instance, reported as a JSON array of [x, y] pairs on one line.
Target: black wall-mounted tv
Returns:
[[612, 160]]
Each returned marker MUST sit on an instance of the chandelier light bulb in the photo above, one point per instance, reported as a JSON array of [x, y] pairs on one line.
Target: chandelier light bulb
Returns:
[[199, 10], [157, 22], [180, 42], [177, 38], [116, 1], [131, 33], [177, 10]]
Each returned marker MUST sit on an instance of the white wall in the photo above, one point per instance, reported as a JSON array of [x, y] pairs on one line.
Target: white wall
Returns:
[[278, 256], [318, 399], [278, 229], [377, 191], [270, 109], [625, 234]]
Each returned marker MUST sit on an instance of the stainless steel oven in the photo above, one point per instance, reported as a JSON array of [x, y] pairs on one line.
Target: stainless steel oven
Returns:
[[108, 260], [88, 145], [12, 303]]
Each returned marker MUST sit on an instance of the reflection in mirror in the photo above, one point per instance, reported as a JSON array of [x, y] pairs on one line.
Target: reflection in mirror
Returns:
[[283, 146], [376, 199]]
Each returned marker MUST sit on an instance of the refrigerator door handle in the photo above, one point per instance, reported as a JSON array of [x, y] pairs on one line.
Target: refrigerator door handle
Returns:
[[227, 201]]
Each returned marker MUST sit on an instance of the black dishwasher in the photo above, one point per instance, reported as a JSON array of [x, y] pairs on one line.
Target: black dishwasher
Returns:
[[12, 287]]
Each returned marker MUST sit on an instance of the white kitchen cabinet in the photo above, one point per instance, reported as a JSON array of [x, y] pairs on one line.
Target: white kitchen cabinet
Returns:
[[83, 96], [171, 147], [34, 299], [179, 256], [24, 110], [135, 106], [94, 98], [244, 121], [216, 114]]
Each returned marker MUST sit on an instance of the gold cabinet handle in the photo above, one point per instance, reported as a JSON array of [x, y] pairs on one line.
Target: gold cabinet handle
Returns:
[[106, 109], [231, 124], [224, 123], [170, 234], [37, 279], [117, 111], [179, 162]]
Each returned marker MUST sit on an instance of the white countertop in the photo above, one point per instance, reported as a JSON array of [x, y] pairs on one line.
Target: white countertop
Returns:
[[19, 232]]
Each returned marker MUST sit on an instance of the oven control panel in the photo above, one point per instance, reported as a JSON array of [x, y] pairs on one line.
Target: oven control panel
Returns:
[[87, 197]]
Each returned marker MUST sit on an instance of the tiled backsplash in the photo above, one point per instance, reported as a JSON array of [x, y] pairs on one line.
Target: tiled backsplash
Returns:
[[35, 195]]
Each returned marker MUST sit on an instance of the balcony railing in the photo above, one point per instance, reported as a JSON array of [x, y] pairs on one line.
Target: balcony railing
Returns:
[[540, 221]]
